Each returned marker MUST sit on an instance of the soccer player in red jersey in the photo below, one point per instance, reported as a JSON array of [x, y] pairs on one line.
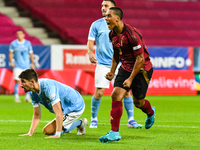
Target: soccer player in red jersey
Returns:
[[134, 74]]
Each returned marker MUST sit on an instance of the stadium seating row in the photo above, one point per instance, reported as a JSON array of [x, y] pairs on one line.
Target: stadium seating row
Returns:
[[160, 22], [8, 31]]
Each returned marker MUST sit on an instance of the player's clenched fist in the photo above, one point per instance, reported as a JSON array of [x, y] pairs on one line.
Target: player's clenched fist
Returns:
[[127, 83], [109, 76]]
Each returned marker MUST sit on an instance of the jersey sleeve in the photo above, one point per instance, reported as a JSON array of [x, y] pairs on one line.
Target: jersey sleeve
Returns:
[[52, 94], [30, 48], [34, 102], [11, 47], [136, 43], [92, 32]]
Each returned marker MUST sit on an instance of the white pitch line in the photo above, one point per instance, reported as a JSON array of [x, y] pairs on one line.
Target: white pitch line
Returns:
[[21, 121], [166, 126], [105, 123]]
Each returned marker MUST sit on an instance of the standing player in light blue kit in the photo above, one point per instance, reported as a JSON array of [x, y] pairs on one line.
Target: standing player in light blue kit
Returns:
[[20, 49], [103, 57], [58, 98]]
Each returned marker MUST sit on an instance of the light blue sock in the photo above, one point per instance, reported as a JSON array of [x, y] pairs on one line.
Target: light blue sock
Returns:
[[16, 88], [95, 103], [73, 126], [128, 104]]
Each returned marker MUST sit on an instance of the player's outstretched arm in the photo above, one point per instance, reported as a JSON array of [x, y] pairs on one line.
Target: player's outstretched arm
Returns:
[[35, 121], [59, 120]]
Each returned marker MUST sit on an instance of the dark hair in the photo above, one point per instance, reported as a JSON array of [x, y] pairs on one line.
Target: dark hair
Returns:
[[117, 11], [29, 74], [20, 30], [112, 1]]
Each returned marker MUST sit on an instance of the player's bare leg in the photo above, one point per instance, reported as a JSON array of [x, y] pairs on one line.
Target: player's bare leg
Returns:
[[50, 128], [16, 93], [145, 106], [99, 92]]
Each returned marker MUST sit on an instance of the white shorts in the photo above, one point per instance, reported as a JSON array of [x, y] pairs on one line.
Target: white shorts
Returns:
[[69, 118], [16, 72], [100, 79]]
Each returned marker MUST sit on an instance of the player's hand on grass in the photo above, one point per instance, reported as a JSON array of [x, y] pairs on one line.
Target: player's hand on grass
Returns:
[[109, 76], [54, 136], [28, 134]]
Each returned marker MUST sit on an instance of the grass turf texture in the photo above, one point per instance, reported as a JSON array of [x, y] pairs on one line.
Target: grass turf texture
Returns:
[[177, 126]]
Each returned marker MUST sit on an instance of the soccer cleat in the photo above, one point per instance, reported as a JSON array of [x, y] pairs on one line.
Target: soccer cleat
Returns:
[[17, 101], [134, 124], [150, 120], [82, 128], [112, 136], [93, 124]]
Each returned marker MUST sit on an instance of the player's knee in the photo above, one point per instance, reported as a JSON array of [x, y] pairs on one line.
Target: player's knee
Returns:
[[44, 131], [99, 93], [47, 132], [116, 97], [138, 103]]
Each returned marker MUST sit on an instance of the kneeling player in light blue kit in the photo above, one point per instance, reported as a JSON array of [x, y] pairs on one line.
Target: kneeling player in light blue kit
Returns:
[[58, 98]]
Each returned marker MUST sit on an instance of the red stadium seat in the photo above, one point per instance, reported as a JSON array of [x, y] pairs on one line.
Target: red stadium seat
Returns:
[[161, 22], [8, 31]]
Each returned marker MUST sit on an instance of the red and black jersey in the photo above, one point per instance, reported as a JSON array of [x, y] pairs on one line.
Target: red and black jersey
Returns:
[[129, 44]]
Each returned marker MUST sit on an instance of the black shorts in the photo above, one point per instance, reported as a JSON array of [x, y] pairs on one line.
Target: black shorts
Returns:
[[139, 85]]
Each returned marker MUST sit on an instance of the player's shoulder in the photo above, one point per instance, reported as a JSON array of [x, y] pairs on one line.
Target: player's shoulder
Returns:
[[14, 42], [97, 22], [132, 29], [27, 41], [129, 28], [47, 83], [44, 81]]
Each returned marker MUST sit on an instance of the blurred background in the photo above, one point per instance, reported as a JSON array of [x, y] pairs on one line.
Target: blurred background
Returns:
[[58, 31]]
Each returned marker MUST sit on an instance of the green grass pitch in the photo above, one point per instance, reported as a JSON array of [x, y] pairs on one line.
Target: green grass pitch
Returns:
[[177, 127]]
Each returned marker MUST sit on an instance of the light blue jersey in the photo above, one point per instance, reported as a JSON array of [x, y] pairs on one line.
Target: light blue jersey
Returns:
[[52, 92], [99, 32], [21, 51]]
